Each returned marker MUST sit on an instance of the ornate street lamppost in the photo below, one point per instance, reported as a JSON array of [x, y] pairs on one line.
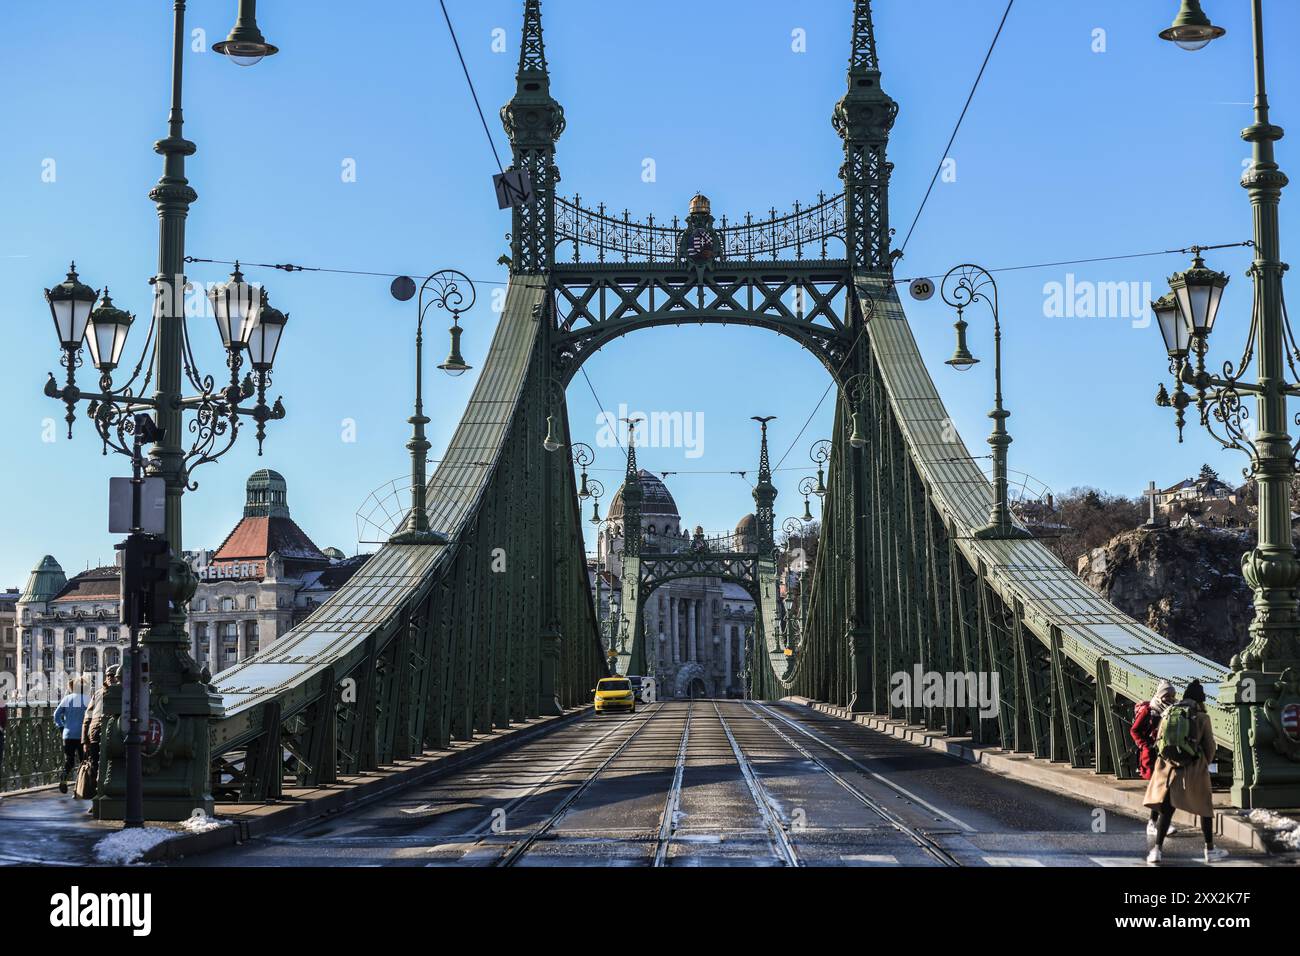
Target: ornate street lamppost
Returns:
[[1264, 684], [178, 773], [820, 453], [962, 286], [793, 528], [446, 289], [245, 46], [594, 489]]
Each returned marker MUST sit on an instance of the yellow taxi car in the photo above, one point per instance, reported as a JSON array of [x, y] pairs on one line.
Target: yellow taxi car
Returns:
[[614, 693]]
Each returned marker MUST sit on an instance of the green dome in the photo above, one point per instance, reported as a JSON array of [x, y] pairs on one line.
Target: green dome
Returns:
[[46, 580], [267, 495]]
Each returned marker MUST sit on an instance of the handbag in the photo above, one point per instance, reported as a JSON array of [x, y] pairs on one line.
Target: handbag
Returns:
[[85, 788]]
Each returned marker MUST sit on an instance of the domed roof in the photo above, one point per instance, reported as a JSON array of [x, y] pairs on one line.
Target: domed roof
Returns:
[[655, 499], [46, 580], [747, 525], [266, 495]]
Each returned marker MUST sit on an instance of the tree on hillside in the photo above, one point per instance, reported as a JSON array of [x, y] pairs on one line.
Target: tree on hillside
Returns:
[[1093, 517]]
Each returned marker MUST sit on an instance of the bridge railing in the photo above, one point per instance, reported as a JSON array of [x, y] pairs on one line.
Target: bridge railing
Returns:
[[33, 748], [599, 235]]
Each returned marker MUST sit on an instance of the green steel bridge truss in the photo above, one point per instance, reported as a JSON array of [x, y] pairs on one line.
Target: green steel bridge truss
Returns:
[[428, 644]]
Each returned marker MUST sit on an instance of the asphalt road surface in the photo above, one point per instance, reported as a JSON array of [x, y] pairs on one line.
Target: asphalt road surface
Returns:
[[718, 783]]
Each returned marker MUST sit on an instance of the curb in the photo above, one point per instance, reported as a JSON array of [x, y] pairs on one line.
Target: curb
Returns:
[[1100, 789], [394, 777]]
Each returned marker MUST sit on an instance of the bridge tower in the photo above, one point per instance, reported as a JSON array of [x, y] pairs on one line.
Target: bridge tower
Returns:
[[863, 117], [765, 494], [533, 122]]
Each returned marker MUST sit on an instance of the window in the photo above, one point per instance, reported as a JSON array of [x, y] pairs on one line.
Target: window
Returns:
[[200, 604], [112, 656], [69, 636], [47, 637], [251, 603], [92, 634], [227, 604], [113, 633]]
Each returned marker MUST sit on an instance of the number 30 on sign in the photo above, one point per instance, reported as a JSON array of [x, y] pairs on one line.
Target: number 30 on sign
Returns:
[[921, 289]]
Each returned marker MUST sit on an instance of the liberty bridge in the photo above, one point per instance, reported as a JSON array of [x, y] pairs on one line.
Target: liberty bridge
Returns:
[[429, 649]]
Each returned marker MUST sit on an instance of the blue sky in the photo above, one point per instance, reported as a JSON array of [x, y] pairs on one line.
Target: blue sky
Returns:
[[1066, 153]]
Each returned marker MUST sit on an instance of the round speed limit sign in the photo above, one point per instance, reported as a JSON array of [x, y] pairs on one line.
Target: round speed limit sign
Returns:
[[921, 289]]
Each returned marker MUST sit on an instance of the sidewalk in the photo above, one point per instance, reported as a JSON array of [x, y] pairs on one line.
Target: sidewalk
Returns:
[[1103, 790], [42, 827]]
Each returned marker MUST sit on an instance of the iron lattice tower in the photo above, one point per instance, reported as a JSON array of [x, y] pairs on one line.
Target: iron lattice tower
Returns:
[[764, 495], [533, 122], [863, 117]]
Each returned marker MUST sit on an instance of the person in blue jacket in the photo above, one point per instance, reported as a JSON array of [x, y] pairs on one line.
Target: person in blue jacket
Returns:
[[68, 717]]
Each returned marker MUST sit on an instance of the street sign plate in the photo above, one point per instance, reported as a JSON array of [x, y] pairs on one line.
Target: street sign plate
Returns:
[[921, 289], [514, 188], [153, 506], [403, 288]]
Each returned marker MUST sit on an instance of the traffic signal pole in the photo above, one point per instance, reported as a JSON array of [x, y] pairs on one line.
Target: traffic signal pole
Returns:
[[144, 599]]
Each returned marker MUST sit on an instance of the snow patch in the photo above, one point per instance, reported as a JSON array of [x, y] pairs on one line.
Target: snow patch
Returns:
[[1283, 830], [200, 822], [127, 846]]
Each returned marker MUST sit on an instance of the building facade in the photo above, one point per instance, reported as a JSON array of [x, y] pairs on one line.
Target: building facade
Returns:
[[8, 642], [697, 629], [264, 578], [66, 627]]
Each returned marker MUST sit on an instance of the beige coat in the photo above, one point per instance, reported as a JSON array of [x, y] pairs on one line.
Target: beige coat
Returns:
[[1188, 787]]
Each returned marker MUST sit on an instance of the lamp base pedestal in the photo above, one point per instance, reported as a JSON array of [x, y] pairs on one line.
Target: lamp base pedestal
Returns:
[[1267, 771]]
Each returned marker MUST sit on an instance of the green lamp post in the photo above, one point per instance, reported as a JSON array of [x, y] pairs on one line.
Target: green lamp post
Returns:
[[176, 763], [1264, 684], [962, 286], [446, 289]]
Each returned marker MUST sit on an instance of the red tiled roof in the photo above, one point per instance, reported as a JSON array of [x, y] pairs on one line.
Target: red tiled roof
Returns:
[[255, 538]]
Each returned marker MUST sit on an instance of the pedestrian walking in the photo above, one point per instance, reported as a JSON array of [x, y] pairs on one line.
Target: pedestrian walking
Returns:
[[1180, 779], [1145, 729], [68, 717], [92, 727]]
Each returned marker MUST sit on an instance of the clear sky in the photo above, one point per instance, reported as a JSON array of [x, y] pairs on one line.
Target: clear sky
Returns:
[[1069, 151]]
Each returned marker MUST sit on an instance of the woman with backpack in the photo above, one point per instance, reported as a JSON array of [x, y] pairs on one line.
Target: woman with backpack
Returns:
[[1145, 729], [1180, 779]]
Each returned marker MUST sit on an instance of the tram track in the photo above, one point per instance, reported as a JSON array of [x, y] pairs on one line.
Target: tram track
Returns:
[[296, 834], [777, 833], [519, 849], [672, 804], [923, 840]]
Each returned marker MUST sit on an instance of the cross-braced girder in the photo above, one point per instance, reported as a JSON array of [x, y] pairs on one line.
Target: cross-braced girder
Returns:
[[595, 304]]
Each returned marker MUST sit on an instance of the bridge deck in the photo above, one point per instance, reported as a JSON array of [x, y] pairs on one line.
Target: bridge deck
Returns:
[[689, 783]]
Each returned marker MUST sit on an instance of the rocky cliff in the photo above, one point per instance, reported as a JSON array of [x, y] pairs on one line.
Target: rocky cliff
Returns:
[[1184, 583]]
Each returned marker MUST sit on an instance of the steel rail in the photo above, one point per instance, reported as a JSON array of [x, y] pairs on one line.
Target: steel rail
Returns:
[[291, 835], [668, 822], [776, 830], [524, 845], [921, 839]]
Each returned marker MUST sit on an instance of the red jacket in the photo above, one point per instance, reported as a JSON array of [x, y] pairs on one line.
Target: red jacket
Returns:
[[1145, 727]]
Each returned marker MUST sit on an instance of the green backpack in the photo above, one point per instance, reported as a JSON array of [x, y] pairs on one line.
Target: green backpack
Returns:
[[1174, 740]]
